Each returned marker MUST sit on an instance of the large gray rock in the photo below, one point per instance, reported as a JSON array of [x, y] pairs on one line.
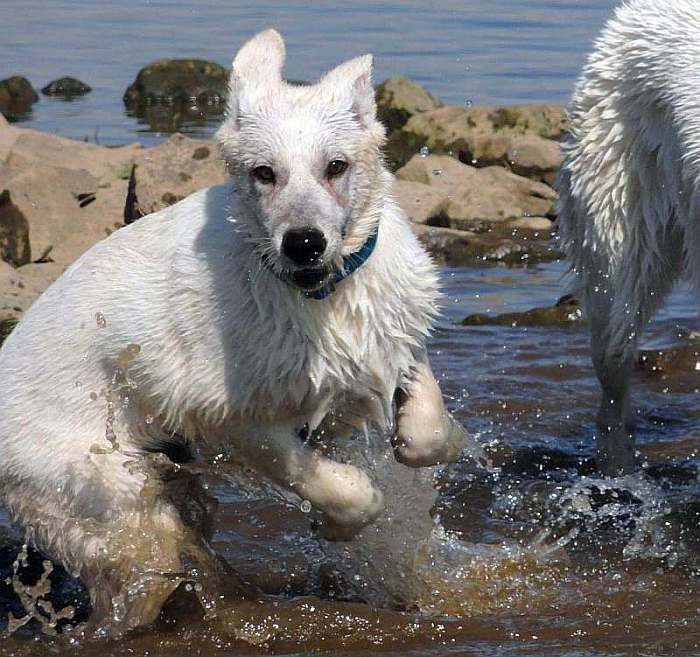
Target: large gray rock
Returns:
[[171, 92], [398, 99], [485, 136], [21, 287], [172, 170], [16, 97], [475, 199]]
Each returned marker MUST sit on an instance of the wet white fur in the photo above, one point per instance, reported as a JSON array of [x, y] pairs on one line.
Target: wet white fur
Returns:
[[630, 193], [225, 351]]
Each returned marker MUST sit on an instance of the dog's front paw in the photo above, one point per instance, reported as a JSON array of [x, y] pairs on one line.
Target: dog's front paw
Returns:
[[351, 502], [421, 447]]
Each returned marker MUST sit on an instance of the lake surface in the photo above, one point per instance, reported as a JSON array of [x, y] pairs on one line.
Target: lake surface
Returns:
[[495, 52]]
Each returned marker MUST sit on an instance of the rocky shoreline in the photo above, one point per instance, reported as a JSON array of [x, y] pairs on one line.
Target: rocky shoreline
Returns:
[[475, 181]]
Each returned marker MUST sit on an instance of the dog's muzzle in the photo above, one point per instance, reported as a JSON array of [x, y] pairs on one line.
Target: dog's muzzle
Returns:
[[310, 279]]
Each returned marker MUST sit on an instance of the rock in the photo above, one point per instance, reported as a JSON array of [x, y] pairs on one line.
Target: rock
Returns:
[[6, 326], [533, 156], [398, 99], [21, 287], [566, 312], [483, 136], [66, 88], [14, 233], [167, 173], [452, 247], [171, 92], [16, 97], [422, 203], [478, 198]]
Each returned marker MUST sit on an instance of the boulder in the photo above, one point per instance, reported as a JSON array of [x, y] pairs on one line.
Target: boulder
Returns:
[[477, 198], [566, 312], [533, 156], [484, 136], [16, 97], [398, 99], [171, 92], [422, 203], [172, 170], [14, 233], [66, 88]]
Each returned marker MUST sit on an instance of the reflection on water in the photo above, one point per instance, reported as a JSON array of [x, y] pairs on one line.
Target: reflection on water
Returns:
[[497, 52], [533, 555]]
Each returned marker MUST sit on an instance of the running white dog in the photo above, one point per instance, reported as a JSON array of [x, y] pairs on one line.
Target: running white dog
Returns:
[[630, 191], [294, 299]]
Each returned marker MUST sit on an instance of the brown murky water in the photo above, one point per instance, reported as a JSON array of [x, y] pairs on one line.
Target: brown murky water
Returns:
[[533, 555]]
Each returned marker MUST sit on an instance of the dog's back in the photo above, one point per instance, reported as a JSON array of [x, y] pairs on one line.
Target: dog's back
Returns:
[[629, 189]]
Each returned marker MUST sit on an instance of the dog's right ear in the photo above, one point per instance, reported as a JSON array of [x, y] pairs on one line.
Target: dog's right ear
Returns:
[[256, 67]]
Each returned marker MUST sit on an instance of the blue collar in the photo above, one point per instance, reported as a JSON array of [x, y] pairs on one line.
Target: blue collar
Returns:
[[351, 263]]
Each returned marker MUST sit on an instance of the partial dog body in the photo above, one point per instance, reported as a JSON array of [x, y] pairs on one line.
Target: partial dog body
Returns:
[[189, 324], [629, 191]]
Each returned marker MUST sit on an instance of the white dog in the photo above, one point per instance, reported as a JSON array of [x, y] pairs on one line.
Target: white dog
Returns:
[[630, 191], [293, 300]]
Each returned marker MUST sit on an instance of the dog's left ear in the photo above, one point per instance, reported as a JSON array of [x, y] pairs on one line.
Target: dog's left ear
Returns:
[[351, 84], [256, 68]]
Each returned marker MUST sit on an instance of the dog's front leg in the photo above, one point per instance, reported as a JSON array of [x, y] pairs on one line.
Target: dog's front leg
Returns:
[[426, 433], [345, 494]]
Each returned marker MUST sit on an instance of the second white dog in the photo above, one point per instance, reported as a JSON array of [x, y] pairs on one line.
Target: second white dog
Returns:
[[294, 299], [630, 191]]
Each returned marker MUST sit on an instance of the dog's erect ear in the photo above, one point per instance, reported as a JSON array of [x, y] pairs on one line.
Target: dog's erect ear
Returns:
[[351, 83], [256, 66]]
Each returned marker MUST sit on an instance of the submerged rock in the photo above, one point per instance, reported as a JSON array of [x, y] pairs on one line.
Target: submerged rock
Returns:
[[171, 92], [398, 99], [566, 312], [66, 88], [16, 97]]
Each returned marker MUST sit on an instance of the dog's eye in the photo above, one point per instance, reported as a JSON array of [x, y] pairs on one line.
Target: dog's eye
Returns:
[[336, 168], [263, 174]]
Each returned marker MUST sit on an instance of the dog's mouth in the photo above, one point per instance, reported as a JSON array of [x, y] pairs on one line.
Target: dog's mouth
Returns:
[[310, 279]]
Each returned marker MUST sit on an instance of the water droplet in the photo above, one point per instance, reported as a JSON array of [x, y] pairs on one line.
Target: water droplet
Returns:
[[424, 151], [437, 172], [149, 419], [468, 103], [100, 320], [305, 506]]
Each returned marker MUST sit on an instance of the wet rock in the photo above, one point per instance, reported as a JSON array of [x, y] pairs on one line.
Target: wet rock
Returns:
[[171, 92], [66, 88], [6, 327], [16, 97], [566, 312], [167, 173], [422, 203], [478, 198], [675, 368], [14, 233], [398, 99], [533, 156], [486, 136], [459, 247]]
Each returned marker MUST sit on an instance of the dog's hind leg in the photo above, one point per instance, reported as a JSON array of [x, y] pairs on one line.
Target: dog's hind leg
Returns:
[[619, 300], [426, 433]]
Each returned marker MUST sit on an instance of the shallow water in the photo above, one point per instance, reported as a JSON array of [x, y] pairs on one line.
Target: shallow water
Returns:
[[531, 556], [496, 52]]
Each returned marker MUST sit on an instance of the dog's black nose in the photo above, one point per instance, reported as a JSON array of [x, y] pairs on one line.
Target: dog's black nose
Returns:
[[304, 246]]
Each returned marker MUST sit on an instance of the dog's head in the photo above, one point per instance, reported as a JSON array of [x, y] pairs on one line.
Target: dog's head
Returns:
[[305, 158]]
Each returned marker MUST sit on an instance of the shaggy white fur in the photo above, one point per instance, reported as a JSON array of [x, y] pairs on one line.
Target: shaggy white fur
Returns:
[[629, 191], [176, 328]]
